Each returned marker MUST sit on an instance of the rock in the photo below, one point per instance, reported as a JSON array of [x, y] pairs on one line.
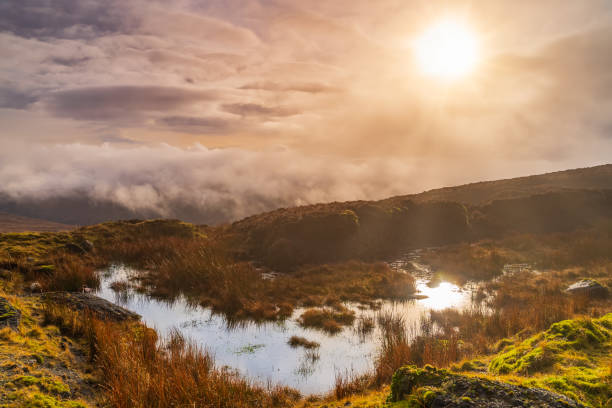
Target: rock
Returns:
[[101, 308], [87, 245], [74, 248], [9, 316], [438, 388], [588, 287], [35, 287]]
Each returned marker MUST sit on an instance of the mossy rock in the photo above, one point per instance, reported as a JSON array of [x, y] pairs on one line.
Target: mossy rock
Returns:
[[539, 352], [437, 388]]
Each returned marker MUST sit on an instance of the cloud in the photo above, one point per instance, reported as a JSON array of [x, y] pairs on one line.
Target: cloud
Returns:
[[215, 184], [14, 99], [333, 82], [64, 18], [122, 102], [198, 125], [253, 109], [307, 87], [218, 185]]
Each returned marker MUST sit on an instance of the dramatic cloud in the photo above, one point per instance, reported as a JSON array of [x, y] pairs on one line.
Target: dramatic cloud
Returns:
[[64, 18], [305, 93], [222, 184]]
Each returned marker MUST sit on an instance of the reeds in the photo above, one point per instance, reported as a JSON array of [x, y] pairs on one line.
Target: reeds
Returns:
[[297, 341], [139, 370]]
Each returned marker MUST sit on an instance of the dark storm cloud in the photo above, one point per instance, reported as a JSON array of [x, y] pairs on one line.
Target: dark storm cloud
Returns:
[[190, 124], [64, 18], [13, 99], [122, 102], [253, 109], [307, 87]]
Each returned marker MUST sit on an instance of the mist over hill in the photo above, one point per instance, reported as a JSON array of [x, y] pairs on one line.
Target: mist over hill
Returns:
[[81, 208]]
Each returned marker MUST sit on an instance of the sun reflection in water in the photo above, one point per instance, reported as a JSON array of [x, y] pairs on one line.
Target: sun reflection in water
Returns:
[[443, 296]]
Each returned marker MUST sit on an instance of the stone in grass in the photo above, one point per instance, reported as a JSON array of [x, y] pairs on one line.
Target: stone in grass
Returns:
[[588, 287], [437, 388]]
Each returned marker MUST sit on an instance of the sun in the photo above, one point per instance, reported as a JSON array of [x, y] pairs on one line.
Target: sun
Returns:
[[448, 49]]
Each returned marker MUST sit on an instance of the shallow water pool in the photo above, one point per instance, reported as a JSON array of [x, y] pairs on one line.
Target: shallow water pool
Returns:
[[260, 350]]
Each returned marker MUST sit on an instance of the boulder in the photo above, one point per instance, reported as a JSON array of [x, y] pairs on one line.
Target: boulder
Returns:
[[437, 388], [35, 287], [101, 308], [588, 287]]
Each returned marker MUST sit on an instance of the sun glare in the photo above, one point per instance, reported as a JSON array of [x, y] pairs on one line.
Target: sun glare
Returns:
[[448, 49]]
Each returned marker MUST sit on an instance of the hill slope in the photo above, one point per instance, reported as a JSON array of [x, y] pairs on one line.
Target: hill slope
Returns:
[[79, 209], [591, 178], [18, 223]]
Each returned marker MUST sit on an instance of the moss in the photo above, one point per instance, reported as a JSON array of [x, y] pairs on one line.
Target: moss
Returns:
[[408, 378], [540, 352], [39, 359], [471, 365], [45, 384], [571, 358], [35, 332], [502, 344], [38, 400]]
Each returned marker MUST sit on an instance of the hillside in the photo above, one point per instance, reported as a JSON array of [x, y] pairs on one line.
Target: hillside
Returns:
[[18, 223], [591, 178], [79, 209], [363, 230]]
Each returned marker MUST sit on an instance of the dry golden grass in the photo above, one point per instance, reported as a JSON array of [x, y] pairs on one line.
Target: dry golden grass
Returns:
[[139, 370]]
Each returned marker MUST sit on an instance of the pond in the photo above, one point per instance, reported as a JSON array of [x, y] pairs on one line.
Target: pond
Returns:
[[260, 350]]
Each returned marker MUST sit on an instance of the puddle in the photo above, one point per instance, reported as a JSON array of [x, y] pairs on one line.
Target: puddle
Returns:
[[260, 351]]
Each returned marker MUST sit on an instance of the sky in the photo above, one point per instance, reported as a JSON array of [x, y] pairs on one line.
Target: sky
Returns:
[[241, 106]]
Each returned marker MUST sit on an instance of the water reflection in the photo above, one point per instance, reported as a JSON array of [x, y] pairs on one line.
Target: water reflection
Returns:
[[443, 296], [261, 351]]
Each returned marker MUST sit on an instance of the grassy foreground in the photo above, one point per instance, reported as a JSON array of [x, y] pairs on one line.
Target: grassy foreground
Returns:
[[573, 358]]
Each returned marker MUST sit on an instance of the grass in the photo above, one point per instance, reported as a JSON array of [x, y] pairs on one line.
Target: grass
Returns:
[[329, 320], [297, 341], [177, 258], [517, 307], [138, 369], [207, 275], [483, 260], [572, 357], [39, 367]]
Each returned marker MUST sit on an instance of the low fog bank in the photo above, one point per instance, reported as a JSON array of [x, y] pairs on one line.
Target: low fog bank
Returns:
[[84, 184]]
